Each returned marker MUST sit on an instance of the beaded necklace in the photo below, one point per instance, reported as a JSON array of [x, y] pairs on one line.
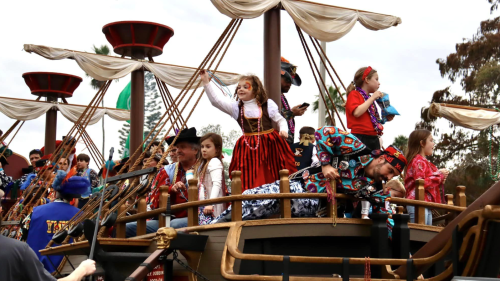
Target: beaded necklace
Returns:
[[175, 178], [258, 128], [291, 123], [373, 112]]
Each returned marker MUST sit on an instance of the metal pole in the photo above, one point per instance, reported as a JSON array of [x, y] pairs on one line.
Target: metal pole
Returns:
[[50, 128], [321, 105], [136, 110], [272, 54]]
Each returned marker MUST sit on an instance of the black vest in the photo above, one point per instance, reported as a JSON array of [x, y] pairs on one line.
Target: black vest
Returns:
[[303, 155]]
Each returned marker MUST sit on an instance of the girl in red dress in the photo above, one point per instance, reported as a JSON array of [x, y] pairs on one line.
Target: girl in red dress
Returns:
[[421, 145], [261, 152], [361, 112]]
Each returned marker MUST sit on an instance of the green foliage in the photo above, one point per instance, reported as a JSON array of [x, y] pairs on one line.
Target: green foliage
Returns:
[[124, 131], [475, 65], [337, 101], [151, 107], [102, 50], [401, 142]]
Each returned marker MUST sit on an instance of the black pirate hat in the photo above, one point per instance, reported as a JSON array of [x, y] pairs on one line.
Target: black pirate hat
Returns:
[[6, 153], [289, 71], [187, 135]]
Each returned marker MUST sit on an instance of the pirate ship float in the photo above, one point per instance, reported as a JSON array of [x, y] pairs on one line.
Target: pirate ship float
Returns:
[[282, 248]]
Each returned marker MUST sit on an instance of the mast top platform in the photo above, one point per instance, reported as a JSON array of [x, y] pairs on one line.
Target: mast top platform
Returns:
[[137, 39], [52, 84]]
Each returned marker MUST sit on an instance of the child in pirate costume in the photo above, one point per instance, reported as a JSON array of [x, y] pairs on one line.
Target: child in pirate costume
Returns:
[[305, 150], [47, 219], [261, 152]]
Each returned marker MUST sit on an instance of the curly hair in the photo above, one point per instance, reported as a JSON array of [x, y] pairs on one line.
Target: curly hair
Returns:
[[258, 89]]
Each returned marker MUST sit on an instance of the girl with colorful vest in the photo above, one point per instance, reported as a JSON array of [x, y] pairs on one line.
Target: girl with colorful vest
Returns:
[[261, 152], [421, 145], [362, 115], [210, 173]]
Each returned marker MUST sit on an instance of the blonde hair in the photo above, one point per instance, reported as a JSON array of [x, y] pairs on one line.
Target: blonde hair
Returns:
[[396, 185], [358, 79], [257, 88]]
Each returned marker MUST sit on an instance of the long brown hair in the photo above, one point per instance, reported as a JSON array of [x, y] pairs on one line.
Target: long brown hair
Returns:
[[414, 145], [201, 165], [358, 79], [258, 89]]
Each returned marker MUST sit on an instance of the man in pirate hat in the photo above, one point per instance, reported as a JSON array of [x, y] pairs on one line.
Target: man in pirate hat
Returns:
[[48, 219], [4, 179], [175, 176], [289, 76]]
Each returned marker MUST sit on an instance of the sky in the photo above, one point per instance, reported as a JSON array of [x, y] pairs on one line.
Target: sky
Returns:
[[404, 56]]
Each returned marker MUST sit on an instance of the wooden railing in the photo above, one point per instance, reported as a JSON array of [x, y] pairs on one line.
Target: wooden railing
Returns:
[[285, 205]]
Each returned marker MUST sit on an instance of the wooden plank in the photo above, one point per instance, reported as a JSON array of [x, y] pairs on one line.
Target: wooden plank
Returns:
[[193, 197], [285, 205], [236, 207]]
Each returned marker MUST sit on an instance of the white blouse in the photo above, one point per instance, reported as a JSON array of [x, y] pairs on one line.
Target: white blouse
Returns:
[[212, 182], [251, 108]]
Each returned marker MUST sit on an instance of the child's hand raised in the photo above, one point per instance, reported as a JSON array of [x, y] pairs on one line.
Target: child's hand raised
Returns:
[[204, 77], [284, 134], [377, 95]]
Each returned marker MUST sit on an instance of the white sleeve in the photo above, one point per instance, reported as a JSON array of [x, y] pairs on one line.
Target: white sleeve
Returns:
[[227, 106], [314, 157], [215, 169], [274, 113]]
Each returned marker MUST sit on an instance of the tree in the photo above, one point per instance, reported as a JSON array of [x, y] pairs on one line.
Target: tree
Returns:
[[228, 141], [337, 100], [151, 107], [401, 142], [152, 112], [475, 64], [96, 85]]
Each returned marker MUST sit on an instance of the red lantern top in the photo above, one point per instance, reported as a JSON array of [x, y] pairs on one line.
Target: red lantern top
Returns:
[[137, 39], [51, 84]]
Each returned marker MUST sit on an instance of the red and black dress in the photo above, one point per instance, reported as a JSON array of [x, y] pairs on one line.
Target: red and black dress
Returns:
[[260, 153]]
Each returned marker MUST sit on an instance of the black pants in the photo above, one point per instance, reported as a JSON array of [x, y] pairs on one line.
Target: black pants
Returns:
[[371, 142]]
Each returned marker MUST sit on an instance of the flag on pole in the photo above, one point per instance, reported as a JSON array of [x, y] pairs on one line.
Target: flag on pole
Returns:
[[123, 102]]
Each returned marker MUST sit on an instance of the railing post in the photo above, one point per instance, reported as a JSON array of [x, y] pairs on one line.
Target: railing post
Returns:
[[400, 236], [400, 210], [449, 201], [141, 208], [236, 210], [193, 197], [121, 228], [331, 207], [164, 197], [420, 196], [285, 206], [460, 199], [378, 241]]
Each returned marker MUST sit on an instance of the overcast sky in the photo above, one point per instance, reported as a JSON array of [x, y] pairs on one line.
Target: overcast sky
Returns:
[[404, 55]]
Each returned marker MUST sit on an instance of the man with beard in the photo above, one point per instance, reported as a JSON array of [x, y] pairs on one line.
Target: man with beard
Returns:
[[357, 172], [174, 176], [343, 158], [289, 76]]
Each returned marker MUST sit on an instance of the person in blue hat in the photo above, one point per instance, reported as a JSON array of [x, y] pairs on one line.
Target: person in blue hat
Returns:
[[47, 219]]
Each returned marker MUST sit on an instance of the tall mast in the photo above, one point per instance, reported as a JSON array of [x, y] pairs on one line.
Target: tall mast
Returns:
[[272, 54]]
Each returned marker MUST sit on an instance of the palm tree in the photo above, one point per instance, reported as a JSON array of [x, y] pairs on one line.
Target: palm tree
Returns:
[[401, 142], [337, 100], [96, 84]]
